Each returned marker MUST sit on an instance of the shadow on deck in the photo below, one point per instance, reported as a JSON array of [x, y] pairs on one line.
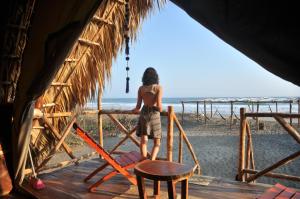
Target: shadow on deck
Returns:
[[68, 183]]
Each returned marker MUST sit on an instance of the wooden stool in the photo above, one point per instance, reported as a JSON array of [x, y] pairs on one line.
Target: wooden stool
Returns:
[[159, 170]]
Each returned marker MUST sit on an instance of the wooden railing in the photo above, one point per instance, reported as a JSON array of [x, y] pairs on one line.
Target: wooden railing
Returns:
[[129, 135], [246, 154], [254, 106], [170, 134]]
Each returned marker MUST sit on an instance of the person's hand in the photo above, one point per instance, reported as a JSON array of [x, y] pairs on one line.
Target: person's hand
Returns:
[[135, 110]]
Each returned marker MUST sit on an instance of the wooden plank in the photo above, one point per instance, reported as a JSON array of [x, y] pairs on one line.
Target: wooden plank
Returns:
[[296, 196], [67, 183], [272, 192], [286, 194]]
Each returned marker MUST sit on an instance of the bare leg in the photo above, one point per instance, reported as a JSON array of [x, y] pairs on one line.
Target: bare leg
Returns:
[[155, 148], [143, 146]]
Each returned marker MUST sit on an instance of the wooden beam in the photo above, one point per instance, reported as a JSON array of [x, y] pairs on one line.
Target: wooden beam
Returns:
[[284, 115], [60, 84], [274, 166], [189, 145], [62, 114], [243, 123], [290, 129], [96, 19], [170, 135], [57, 136], [274, 175], [88, 42], [60, 142], [71, 60]]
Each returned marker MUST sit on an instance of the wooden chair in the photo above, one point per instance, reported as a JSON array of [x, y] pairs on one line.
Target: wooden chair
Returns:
[[121, 164]]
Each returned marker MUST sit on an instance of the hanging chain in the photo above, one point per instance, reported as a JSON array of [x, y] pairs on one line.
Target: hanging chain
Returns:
[[126, 36]]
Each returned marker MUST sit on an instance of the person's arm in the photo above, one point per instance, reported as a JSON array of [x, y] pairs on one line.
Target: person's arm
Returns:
[[159, 99], [138, 102]]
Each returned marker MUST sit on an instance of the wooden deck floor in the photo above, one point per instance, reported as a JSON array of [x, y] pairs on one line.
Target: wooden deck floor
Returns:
[[68, 183]]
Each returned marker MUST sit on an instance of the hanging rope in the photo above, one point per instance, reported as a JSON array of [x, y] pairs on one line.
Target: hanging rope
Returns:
[[126, 37]]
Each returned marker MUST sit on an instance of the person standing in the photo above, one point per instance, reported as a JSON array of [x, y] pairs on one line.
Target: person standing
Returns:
[[149, 123]]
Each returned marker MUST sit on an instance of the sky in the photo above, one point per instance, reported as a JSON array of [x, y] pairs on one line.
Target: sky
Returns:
[[191, 62]]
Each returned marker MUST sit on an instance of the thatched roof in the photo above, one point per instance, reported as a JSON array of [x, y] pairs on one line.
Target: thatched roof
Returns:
[[90, 61]]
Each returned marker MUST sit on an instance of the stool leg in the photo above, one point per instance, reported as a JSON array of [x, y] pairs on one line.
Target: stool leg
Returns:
[[184, 189], [156, 189], [141, 187], [171, 190]]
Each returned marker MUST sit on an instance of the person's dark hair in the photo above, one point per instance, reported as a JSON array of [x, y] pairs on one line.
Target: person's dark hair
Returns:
[[150, 77]]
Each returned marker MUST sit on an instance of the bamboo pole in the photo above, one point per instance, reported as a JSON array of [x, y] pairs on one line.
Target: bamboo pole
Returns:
[[204, 107], [291, 121], [293, 132], [123, 140], [257, 120], [231, 114], [241, 166], [283, 115], [61, 114], [123, 129], [211, 110], [170, 133], [251, 145], [197, 111], [180, 147], [60, 142], [189, 145], [100, 129], [182, 113], [58, 137], [274, 175], [274, 166]]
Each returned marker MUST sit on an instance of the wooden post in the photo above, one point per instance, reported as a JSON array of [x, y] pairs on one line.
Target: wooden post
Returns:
[[257, 120], [197, 111], [231, 113], [291, 120], [182, 113], [100, 130], [211, 113], [204, 105], [241, 166], [180, 147], [170, 134], [276, 103]]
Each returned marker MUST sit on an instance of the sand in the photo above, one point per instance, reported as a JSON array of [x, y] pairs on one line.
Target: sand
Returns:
[[216, 146]]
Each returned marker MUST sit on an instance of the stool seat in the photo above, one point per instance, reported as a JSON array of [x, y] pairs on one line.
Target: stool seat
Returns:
[[159, 170]]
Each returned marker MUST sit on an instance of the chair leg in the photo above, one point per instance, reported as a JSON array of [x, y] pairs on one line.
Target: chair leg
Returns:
[[95, 172], [171, 190], [141, 187], [184, 189], [105, 178], [156, 189]]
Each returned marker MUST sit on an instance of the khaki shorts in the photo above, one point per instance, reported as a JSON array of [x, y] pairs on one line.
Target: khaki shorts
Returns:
[[149, 123]]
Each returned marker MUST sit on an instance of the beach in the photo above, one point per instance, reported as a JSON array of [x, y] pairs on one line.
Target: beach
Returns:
[[215, 144]]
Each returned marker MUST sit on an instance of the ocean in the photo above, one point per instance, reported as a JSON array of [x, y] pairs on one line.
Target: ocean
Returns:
[[221, 106]]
